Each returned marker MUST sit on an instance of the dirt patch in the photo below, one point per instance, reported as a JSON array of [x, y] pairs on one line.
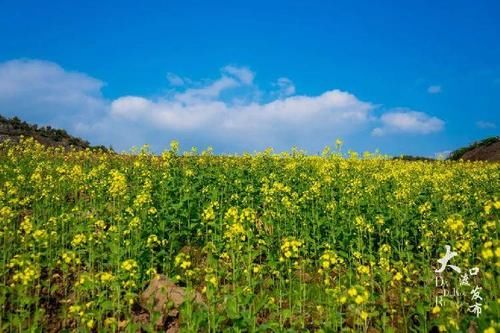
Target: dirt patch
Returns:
[[164, 298]]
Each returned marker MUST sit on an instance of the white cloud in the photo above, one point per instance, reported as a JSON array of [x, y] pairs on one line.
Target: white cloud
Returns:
[[42, 91], [332, 111], [243, 74], [209, 91], [175, 80], [229, 112], [285, 86], [485, 124], [248, 123], [402, 120], [435, 89], [130, 107]]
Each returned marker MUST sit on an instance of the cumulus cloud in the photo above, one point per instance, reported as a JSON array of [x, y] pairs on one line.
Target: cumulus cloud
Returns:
[[180, 113], [435, 89], [485, 124], [229, 111], [203, 110], [44, 92], [402, 120]]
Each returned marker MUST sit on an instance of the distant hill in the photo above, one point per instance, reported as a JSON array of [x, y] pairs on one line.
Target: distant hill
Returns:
[[14, 128], [412, 158], [484, 150]]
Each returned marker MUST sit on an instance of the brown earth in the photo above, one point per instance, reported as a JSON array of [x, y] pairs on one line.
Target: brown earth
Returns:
[[484, 153]]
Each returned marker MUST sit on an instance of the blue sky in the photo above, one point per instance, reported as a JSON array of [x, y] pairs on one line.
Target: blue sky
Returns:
[[417, 77]]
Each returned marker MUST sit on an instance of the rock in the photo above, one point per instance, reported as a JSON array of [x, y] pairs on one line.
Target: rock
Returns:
[[163, 296]]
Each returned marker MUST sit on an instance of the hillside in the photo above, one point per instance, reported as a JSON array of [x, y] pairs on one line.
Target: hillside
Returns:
[[484, 150], [14, 128]]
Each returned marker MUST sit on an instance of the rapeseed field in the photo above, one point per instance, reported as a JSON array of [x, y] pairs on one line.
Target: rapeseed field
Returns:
[[260, 242]]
